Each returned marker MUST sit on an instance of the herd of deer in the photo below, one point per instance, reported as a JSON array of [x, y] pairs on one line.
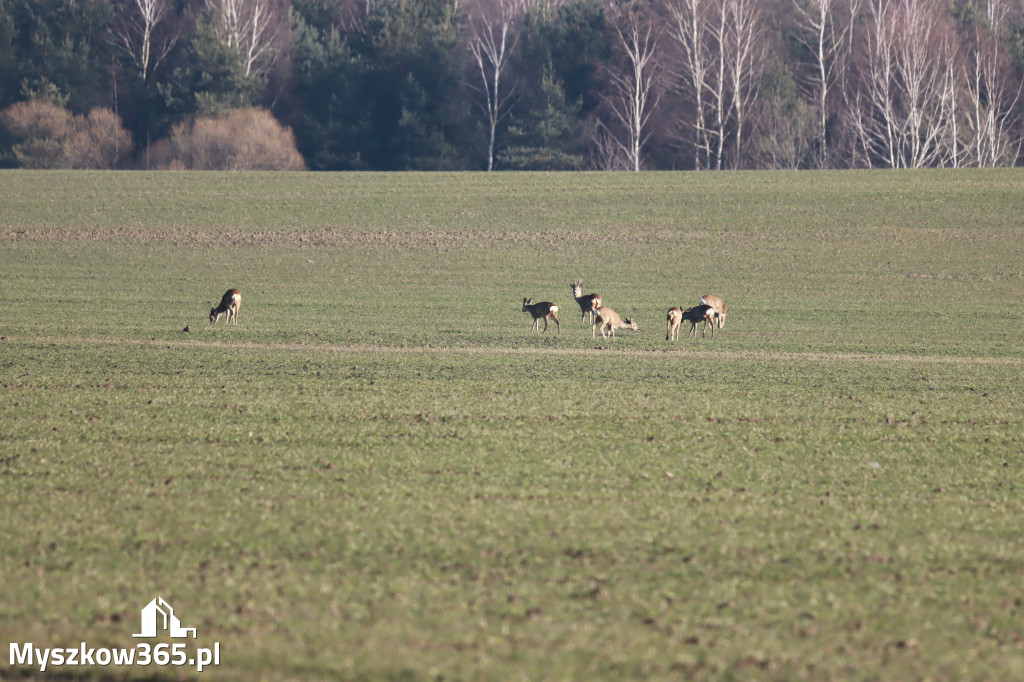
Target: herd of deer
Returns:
[[710, 309]]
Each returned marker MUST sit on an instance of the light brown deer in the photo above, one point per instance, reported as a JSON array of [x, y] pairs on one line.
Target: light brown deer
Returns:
[[588, 304], [606, 317], [230, 302], [718, 304], [545, 310], [672, 322]]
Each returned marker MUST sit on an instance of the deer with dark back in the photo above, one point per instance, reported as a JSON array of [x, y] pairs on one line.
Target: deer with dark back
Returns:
[[692, 315], [230, 302], [542, 310], [588, 304]]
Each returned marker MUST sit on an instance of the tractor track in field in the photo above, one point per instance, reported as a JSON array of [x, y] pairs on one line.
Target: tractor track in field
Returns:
[[530, 351]]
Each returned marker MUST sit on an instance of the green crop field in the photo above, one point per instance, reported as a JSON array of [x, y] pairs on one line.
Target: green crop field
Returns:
[[381, 474]]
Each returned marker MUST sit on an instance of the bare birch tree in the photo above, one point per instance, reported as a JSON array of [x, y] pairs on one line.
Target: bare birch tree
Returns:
[[908, 91], [607, 154], [491, 43], [991, 98], [135, 34], [746, 50], [718, 27], [829, 41], [634, 92], [690, 31], [720, 64], [923, 55], [245, 26]]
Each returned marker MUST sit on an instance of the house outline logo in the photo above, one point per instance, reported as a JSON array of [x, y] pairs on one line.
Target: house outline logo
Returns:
[[151, 622]]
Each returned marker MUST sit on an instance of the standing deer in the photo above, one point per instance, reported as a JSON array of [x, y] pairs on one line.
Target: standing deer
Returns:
[[544, 310], [606, 317], [693, 316], [672, 322], [588, 303], [229, 303], [718, 304]]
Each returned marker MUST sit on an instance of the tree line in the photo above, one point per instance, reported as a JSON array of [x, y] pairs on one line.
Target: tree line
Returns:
[[511, 84]]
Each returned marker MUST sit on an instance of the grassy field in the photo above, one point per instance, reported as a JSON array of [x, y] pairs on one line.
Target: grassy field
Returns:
[[381, 474]]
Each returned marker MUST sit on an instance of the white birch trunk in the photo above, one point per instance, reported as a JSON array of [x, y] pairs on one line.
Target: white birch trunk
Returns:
[[489, 43]]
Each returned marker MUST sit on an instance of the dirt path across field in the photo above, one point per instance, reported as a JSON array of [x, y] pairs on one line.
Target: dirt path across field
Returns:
[[532, 351]]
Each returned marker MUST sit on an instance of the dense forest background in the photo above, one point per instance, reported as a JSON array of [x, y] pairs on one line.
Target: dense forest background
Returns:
[[510, 84]]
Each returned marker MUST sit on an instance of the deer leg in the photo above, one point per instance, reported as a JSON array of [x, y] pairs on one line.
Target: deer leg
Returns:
[[557, 324]]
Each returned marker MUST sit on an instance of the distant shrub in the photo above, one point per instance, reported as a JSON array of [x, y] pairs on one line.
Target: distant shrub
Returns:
[[100, 141], [241, 139], [47, 136]]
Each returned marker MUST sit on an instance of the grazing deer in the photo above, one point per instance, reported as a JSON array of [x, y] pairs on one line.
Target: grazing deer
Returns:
[[719, 306], [606, 317], [544, 310], [696, 314], [229, 303], [588, 303]]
